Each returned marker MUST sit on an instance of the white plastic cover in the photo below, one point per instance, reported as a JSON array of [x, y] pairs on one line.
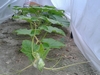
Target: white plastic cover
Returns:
[[64, 5], [43, 2], [84, 15], [85, 20], [5, 11]]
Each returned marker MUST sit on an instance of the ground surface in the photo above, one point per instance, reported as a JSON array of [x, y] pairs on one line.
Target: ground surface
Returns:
[[12, 60]]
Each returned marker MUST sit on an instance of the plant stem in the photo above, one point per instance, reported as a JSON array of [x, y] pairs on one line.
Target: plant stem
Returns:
[[35, 24], [57, 63], [60, 68], [44, 35], [35, 35], [18, 72], [53, 58], [31, 25], [25, 68], [36, 40], [53, 69], [32, 45]]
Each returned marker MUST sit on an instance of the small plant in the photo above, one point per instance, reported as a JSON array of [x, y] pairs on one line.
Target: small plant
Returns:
[[42, 21]]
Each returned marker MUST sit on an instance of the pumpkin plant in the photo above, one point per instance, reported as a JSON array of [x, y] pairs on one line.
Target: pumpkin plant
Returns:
[[42, 20]]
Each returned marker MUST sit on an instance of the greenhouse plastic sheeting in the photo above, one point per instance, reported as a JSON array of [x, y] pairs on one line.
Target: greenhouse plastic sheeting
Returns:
[[5, 11], [43, 2], [84, 17], [85, 25]]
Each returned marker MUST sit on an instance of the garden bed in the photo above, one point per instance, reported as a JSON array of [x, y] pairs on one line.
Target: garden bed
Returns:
[[12, 60]]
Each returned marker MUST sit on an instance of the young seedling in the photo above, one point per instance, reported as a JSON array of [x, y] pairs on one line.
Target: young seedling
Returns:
[[42, 20]]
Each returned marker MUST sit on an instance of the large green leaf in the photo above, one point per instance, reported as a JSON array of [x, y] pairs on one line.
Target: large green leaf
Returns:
[[30, 32], [16, 7], [56, 12], [52, 10], [26, 18], [21, 17], [27, 49], [53, 21], [53, 43], [64, 22], [42, 8], [23, 32], [52, 29], [35, 32], [42, 52], [48, 9]]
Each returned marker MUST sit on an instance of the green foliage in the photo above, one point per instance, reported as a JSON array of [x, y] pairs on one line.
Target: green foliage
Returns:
[[43, 53], [53, 43], [27, 49], [30, 32], [24, 32], [40, 19], [62, 20], [51, 29]]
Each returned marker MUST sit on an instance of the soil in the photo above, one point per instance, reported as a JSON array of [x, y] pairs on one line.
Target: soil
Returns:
[[12, 60]]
